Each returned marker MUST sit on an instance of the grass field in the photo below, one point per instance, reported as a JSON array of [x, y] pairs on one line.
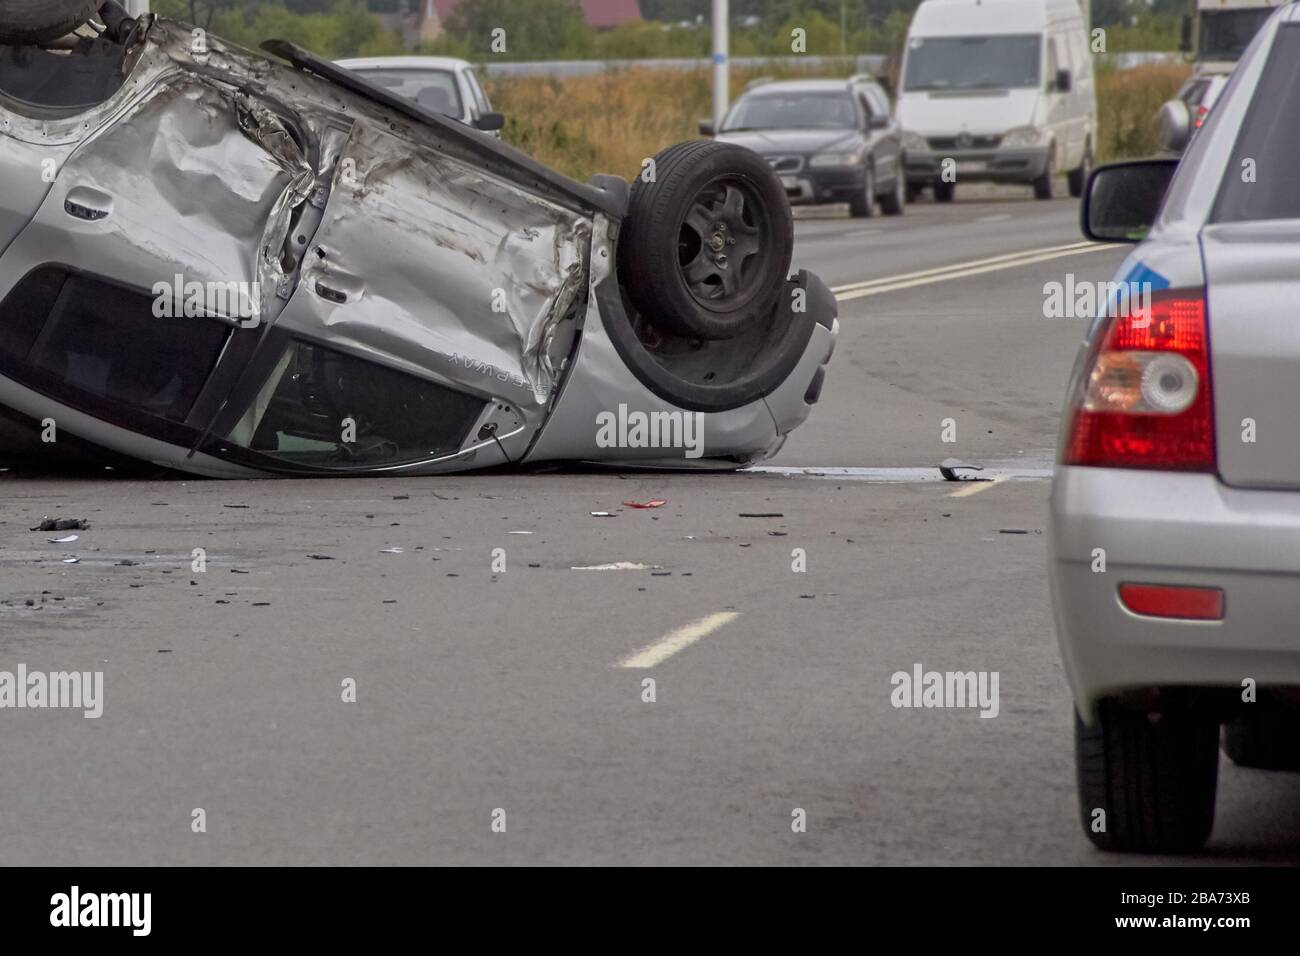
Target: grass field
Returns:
[[612, 122]]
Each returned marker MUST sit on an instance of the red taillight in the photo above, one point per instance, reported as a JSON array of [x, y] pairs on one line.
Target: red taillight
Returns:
[[1159, 600], [1201, 113], [1144, 400]]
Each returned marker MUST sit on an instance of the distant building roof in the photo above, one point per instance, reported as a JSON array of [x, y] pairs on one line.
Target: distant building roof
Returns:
[[599, 13]]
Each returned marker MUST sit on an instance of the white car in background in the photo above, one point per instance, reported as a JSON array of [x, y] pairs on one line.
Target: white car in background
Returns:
[[997, 91], [442, 84]]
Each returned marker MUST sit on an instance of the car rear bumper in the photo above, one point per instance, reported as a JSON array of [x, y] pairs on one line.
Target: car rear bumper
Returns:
[[925, 167], [1173, 529]]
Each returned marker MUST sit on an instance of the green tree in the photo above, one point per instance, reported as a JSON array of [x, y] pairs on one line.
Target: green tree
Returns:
[[533, 29]]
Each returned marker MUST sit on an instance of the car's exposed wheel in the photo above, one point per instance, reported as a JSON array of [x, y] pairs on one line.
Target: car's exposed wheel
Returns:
[[706, 248], [893, 202], [943, 192], [1078, 178], [1043, 185], [25, 22], [1147, 781], [1264, 737], [862, 204]]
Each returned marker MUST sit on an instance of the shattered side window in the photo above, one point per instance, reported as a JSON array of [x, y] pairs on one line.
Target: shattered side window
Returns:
[[325, 409], [89, 341]]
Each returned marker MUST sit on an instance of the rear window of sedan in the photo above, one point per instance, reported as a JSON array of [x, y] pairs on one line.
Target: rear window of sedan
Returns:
[[1262, 180], [435, 90]]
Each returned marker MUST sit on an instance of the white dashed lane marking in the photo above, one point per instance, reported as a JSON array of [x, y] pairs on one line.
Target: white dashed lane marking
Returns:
[[678, 640]]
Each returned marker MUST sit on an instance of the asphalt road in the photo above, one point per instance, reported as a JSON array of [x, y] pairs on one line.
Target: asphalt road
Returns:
[[479, 691]]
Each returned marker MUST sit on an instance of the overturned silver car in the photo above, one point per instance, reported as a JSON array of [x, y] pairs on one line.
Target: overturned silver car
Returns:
[[234, 264]]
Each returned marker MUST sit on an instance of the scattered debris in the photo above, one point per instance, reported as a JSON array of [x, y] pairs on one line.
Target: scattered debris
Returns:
[[62, 524], [603, 514], [948, 468], [72, 560], [653, 503], [520, 532], [239, 571], [66, 539], [128, 563], [778, 534], [401, 497], [320, 557], [661, 574], [760, 514], [234, 506], [393, 551]]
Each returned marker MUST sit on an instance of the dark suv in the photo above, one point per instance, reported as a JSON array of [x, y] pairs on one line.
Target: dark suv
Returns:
[[829, 140]]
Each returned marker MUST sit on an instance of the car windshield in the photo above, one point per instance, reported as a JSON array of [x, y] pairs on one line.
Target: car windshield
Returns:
[[792, 111], [1225, 34], [435, 90], [972, 63]]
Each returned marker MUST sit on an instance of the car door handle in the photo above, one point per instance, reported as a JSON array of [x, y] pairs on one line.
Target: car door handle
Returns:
[[87, 204]]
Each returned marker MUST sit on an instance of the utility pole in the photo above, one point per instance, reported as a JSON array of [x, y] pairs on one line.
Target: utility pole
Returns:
[[721, 61]]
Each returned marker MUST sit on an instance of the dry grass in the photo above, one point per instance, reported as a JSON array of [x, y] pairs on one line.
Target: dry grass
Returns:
[[1127, 103], [605, 123], [611, 122]]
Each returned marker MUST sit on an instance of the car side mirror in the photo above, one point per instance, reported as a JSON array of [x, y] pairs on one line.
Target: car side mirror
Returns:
[[878, 122], [1064, 81], [1175, 121], [708, 128], [1122, 200], [1185, 40], [490, 122]]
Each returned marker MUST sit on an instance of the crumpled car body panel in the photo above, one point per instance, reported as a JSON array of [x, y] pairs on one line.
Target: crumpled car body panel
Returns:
[[238, 267]]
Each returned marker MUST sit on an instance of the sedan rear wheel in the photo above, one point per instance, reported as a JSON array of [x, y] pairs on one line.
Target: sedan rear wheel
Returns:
[[24, 22], [705, 250], [1147, 781]]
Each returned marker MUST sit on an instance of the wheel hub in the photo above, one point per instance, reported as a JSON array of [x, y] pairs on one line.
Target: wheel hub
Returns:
[[727, 236]]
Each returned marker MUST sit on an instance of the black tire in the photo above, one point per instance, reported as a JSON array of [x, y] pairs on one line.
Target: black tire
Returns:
[[943, 192], [24, 22], [1044, 184], [1154, 775], [893, 203], [707, 197], [1078, 178], [1264, 738], [861, 205]]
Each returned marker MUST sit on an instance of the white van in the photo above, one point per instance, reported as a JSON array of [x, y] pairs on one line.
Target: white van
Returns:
[[997, 91]]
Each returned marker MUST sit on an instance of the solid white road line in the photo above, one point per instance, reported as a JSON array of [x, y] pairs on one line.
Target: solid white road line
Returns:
[[959, 265], [963, 270], [948, 276], [975, 487], [678, 640]]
